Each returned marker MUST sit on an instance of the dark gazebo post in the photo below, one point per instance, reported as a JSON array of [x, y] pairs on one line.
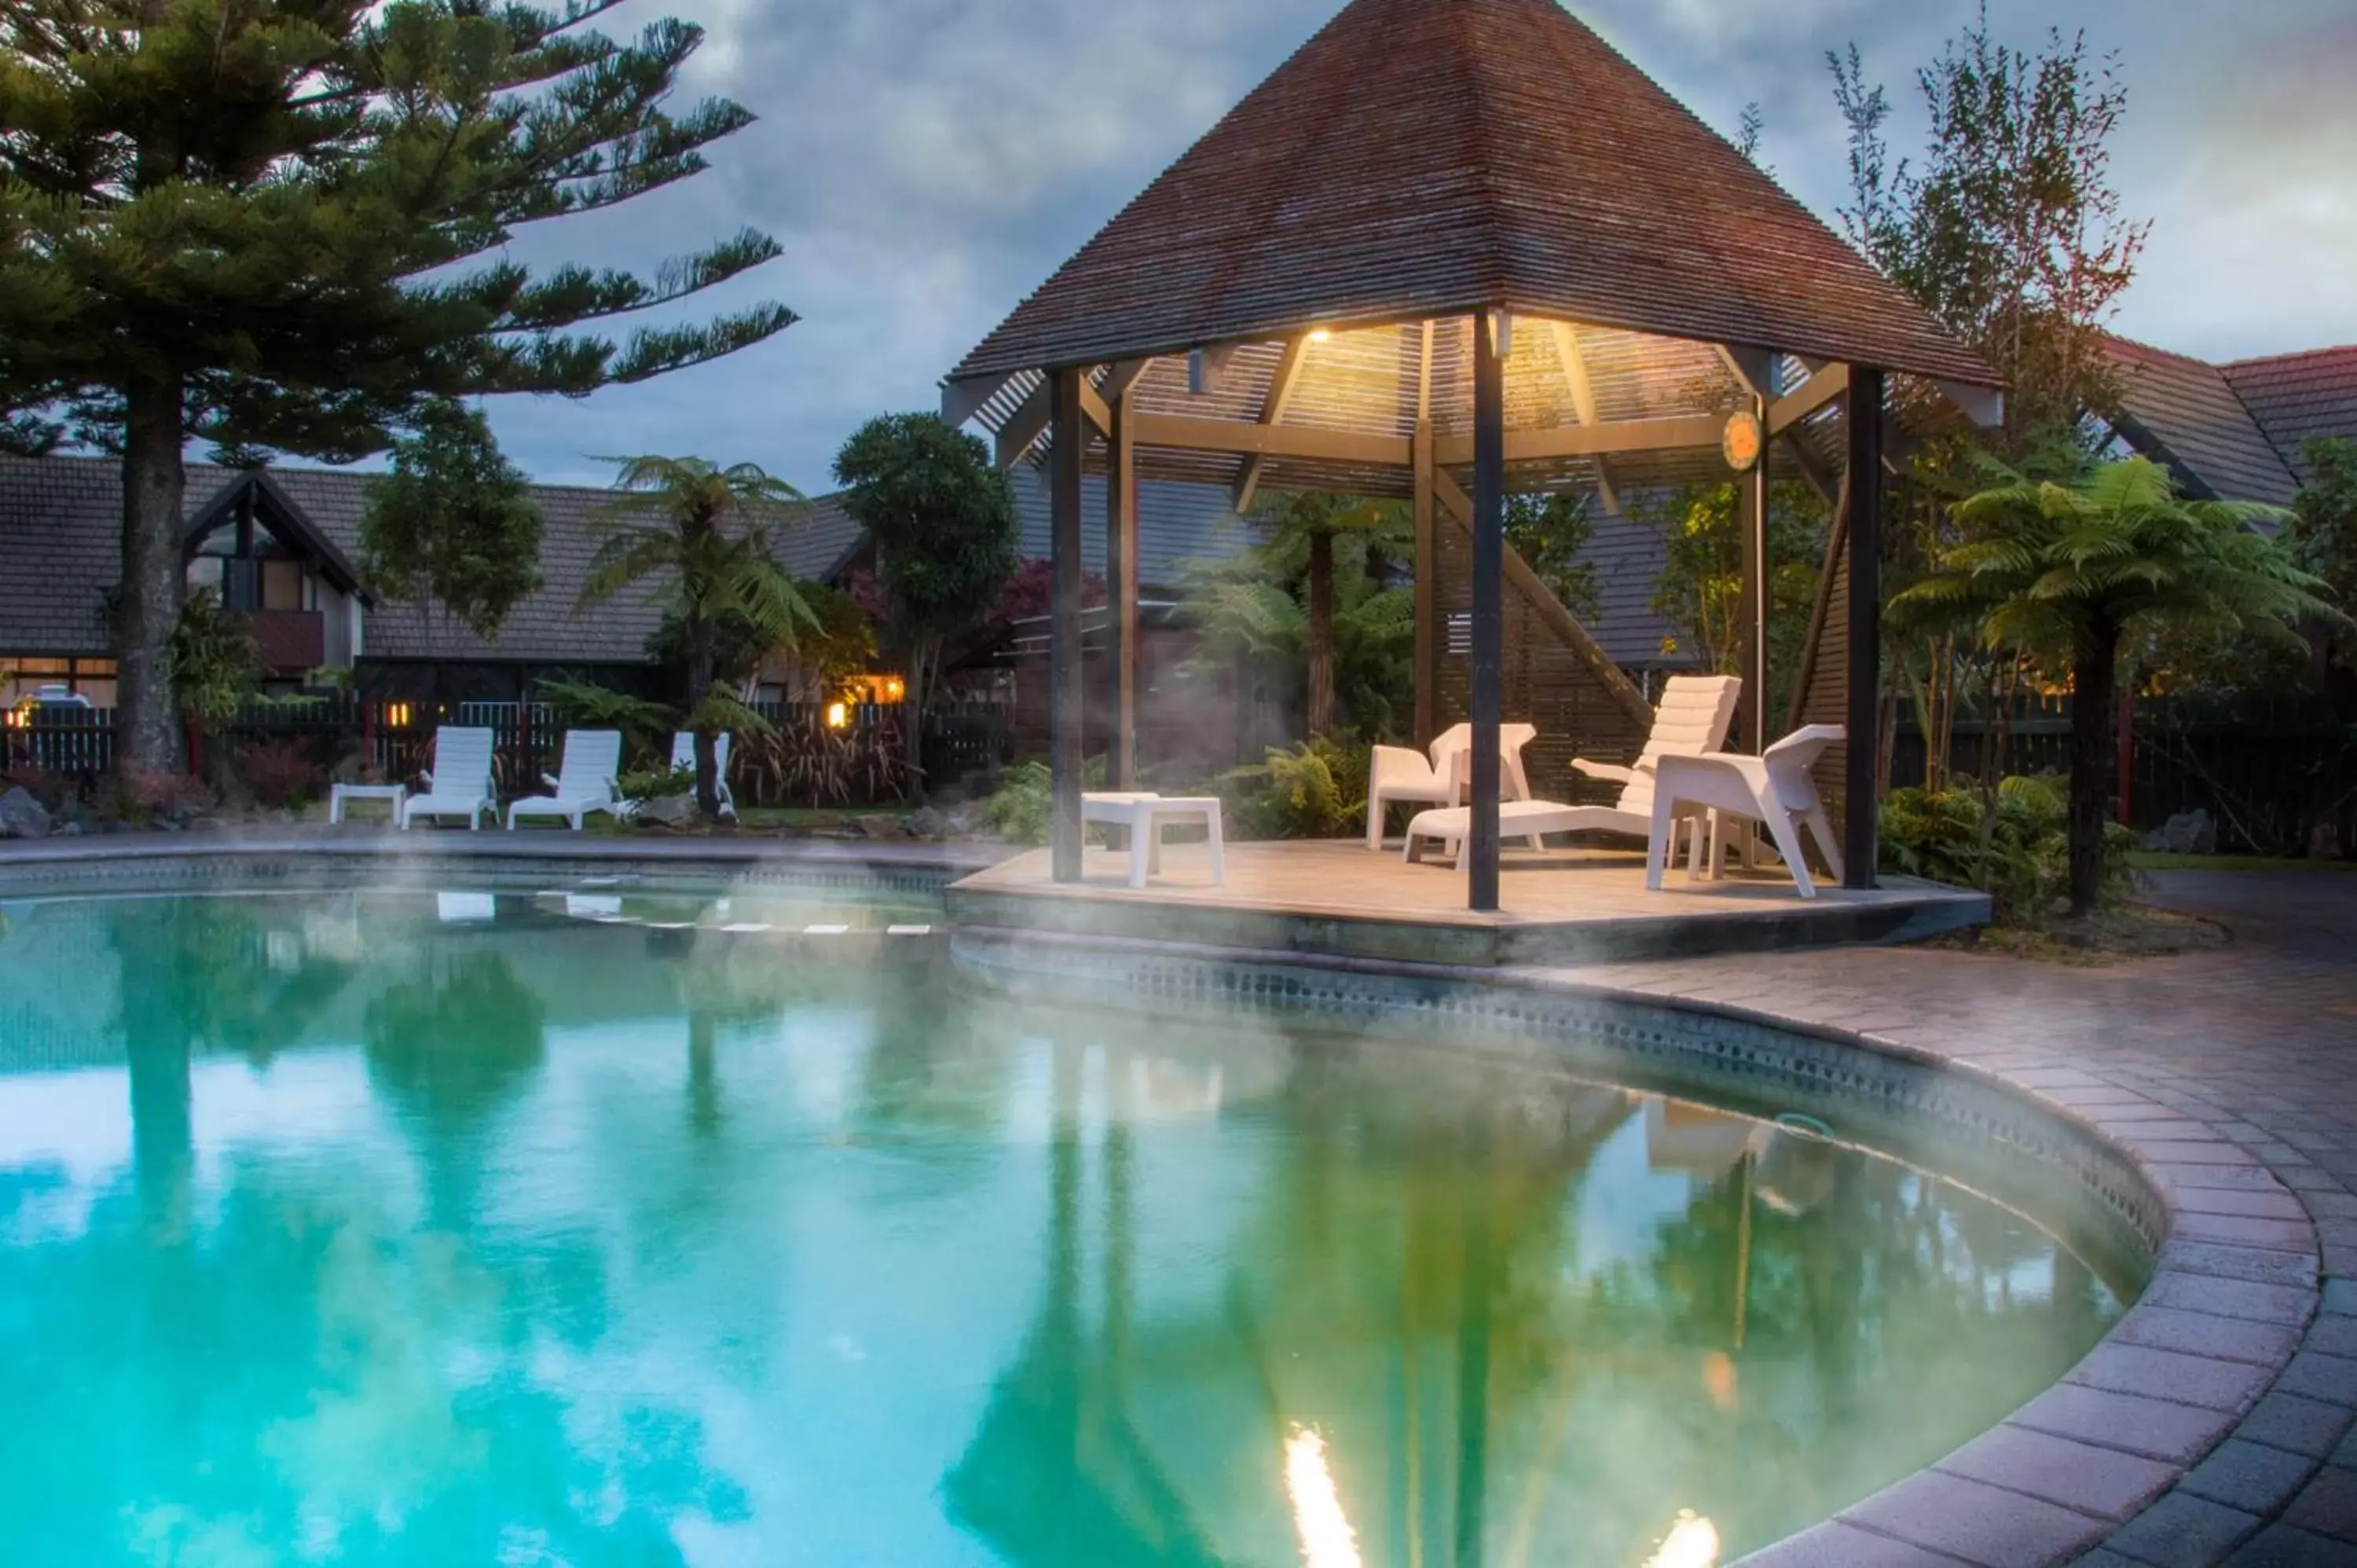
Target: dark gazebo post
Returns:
[[1121, 579], [1067, 695], [1490, 330], [1864, 749], [1751, 515]]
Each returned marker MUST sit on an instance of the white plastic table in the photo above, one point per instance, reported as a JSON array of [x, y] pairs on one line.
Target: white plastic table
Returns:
[[392, 794], [1146, 816]]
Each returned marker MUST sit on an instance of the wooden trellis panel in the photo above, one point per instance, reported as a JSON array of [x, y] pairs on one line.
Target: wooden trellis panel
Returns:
[[1543, 680]]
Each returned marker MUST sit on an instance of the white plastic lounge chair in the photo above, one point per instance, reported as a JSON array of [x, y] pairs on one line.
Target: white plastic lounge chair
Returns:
[[585, 781], [1394, 773], [1694, 715], [683, 755], [1526, 820], [460, 783], [1774, 788]]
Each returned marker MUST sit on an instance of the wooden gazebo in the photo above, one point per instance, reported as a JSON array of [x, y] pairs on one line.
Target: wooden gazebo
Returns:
[[1454, 249]]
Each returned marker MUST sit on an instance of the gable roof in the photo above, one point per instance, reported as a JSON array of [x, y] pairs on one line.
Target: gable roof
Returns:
[[2297, 398], [2186, 414], [1420, 158], [279, 514]]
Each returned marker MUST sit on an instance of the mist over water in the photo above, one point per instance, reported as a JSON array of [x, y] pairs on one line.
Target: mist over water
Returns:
[[406, 1229]]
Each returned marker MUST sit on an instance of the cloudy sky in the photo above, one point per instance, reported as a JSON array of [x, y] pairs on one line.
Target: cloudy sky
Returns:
[[926, 163]]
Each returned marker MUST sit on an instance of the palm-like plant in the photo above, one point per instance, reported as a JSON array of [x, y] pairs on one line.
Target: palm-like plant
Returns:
[[2066, 571], [701, 541], [1306, 525]]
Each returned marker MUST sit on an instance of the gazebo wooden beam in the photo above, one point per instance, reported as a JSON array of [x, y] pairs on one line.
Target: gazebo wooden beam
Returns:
[[1754, 369], [1030, 422], [1559, 620], [1821, 387], [1187, 433], [1582, 387], [1690, 433], [1281, 388]]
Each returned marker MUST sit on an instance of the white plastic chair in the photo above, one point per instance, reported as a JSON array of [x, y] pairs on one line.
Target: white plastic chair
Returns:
[[683, 755], [460, 783], [1774, 788], [1394, 773], [585, 782], [1695, 715]]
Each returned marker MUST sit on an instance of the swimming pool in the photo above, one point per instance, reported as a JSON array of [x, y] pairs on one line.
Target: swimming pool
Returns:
[[597, 1227]]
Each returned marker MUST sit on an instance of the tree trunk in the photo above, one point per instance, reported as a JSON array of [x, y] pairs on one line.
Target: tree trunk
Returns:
[[2092, 758], [700, 658], [916, 691], [147, 725], [1321, 633]]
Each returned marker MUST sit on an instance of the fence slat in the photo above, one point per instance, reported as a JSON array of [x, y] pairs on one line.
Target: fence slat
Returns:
[[2271, 771]]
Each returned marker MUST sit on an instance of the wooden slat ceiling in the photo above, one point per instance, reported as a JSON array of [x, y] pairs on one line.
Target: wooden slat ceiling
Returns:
[[1429, 158], [1366, 383]]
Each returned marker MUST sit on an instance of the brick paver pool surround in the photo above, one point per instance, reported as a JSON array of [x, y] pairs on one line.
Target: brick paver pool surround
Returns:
[[2215, 1425]]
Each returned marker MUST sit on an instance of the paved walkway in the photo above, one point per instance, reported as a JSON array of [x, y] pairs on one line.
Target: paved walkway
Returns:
[[2247, 1053]]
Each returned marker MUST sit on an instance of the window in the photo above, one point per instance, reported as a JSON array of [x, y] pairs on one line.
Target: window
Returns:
[[282, 585], [22, 675]]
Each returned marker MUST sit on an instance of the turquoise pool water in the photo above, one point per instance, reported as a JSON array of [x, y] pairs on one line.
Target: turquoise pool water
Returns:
[[406, 1229]]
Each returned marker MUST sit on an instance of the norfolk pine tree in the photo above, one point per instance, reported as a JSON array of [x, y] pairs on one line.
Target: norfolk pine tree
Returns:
[[267, 224]]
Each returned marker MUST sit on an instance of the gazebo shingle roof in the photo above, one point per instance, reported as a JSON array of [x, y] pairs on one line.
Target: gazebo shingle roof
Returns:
[[1428, 157]]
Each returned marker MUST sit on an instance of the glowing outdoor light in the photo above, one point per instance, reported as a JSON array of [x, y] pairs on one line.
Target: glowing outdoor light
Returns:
[[839, 715], [1327, 1539], [1321, 334], [1693, 1542], [895, 688]]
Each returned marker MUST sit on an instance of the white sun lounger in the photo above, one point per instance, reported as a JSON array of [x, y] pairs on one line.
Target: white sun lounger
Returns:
[[460, 783], [1695, 715], [585, 782], [1450, 826]]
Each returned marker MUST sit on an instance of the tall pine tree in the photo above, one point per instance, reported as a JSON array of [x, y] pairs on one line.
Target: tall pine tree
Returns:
[[269, 224]]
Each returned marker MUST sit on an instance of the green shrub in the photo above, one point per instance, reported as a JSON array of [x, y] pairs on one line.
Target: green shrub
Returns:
[[2020, 858], [656, 783], [1020, 808], [1316, 789]]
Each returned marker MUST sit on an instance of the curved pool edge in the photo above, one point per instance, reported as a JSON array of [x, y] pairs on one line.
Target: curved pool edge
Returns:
[[2233, 1281], [307, 859]]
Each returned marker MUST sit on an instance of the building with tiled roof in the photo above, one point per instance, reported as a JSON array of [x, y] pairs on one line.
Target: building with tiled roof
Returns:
[[280, 546], [2297, 398], [2235, 431]]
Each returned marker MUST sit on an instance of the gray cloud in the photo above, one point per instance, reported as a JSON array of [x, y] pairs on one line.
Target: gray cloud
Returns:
[[926, 162]]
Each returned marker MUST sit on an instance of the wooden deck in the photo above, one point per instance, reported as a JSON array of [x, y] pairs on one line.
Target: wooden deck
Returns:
[[1336, 897]]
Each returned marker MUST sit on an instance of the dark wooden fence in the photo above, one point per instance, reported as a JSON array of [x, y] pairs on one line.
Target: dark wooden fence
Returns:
[[2269, 771], [807, 760]]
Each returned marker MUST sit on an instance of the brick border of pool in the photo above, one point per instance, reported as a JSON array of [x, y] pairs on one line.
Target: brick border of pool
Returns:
[[2216, 1399], [2199, 1423]]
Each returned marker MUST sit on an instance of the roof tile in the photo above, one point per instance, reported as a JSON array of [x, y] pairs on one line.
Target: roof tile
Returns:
[[1429, 157]]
